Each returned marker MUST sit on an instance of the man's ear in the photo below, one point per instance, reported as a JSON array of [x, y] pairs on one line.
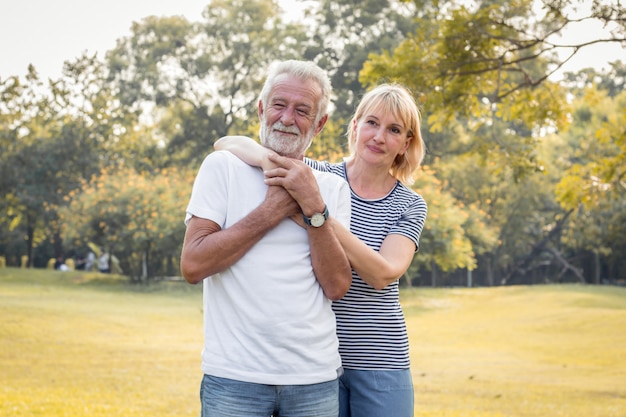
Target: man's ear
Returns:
[[260, 109], [320, 124]]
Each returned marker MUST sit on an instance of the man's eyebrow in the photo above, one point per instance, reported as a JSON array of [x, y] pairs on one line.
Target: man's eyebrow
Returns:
[[297, 104]]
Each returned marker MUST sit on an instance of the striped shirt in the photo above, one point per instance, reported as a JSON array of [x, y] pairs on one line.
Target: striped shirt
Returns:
[[370, 323]]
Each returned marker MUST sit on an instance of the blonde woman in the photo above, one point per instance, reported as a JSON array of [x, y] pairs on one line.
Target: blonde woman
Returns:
[[387, 219]]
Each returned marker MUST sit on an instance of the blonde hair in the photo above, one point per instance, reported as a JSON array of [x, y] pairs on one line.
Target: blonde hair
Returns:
[[397, 100]]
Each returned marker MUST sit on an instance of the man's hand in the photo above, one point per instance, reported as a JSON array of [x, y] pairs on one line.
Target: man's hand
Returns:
[[330, 263], [282, 202], [297, 178]]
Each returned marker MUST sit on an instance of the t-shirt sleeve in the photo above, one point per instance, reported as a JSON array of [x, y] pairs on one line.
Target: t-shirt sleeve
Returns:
[[344, 208], [336, 194], [411, 223], [209, 193]]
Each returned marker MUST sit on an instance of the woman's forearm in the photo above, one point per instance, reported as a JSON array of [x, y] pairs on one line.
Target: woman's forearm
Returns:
[[377, 269], [246, 149]]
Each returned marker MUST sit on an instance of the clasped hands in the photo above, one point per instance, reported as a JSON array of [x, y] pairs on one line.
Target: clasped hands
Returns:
[[292, 183]]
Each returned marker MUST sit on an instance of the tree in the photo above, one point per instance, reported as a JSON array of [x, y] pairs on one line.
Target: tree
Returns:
[[344, 32], [452, 231], [500, 132], [40, 138], [138, 216], [481, 72], [201, 80], [474, 66], [593, 185], [491, 60], [57, 135], [612, 81]]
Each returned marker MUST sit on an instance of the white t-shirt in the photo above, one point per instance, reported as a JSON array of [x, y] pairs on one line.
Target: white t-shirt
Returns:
[[266, 319]]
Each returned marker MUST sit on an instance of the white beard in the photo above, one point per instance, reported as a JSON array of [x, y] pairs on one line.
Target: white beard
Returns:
[[285, 145]]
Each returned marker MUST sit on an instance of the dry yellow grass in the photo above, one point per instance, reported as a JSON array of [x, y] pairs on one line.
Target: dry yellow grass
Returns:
[[73, 348], [542, 351], [75, 344]]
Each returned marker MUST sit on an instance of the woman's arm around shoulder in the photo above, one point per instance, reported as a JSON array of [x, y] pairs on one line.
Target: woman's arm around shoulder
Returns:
[[247, 149]]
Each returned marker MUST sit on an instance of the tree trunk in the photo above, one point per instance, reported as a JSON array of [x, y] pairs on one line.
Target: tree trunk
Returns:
[[597, 267], [522, 265], [567, 265], [144, 266], [30, 235], [489, 271]]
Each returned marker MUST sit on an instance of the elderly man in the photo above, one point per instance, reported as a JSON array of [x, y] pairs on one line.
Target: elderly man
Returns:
[[270, 263]]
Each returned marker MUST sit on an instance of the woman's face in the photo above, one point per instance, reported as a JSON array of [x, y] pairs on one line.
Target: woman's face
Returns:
[[380, 137]]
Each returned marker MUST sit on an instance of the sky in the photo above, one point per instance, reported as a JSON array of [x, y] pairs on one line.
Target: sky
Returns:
[[48, 32]]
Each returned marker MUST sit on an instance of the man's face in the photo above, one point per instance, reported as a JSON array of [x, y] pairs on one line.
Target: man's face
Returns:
[[288, 118]]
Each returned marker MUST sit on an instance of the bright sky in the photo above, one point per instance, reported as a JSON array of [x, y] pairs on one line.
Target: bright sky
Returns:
[[48, 32]]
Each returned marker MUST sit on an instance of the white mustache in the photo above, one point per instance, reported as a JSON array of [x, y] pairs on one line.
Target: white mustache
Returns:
[[287, 129]]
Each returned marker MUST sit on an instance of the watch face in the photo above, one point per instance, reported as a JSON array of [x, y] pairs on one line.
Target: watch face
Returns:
[[317, 220]]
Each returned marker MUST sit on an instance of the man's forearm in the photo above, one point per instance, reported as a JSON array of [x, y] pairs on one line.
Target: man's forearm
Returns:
[[208, 251], [330, 264], [205, 255]]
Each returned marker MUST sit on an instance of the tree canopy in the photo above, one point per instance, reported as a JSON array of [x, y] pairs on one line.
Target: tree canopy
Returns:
[[524, 174]]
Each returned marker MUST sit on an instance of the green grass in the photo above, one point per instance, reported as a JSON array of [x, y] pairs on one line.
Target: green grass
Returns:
[[75, 344]]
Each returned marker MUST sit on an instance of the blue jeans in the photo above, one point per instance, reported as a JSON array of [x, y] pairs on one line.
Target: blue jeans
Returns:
[[221, 397], [376, 393]]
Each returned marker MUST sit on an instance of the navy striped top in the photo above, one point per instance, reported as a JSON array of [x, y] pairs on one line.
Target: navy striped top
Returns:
[[370, 323]]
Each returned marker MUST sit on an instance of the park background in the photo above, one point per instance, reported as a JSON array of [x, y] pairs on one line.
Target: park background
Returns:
[[524, 172], [524, 177]]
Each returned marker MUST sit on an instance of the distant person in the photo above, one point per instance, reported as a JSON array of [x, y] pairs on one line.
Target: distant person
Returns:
[[103, 263], [387, 220], [79, 262], [90, 260], [270, 263], [60, 264]]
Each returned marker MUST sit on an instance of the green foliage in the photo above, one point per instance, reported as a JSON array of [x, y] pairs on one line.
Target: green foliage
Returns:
[[331, 144], [56, 138], [599, 163], [450, 228], [205, 77], [511, 153], [345, 32], [480, 71], [592, 183], [481, 67], [133, 215]]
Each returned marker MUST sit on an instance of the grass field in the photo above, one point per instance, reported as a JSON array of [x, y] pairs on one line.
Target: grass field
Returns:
[[75, 344]]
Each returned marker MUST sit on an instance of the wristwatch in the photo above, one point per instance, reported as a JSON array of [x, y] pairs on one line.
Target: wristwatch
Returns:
[[317, 219]]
